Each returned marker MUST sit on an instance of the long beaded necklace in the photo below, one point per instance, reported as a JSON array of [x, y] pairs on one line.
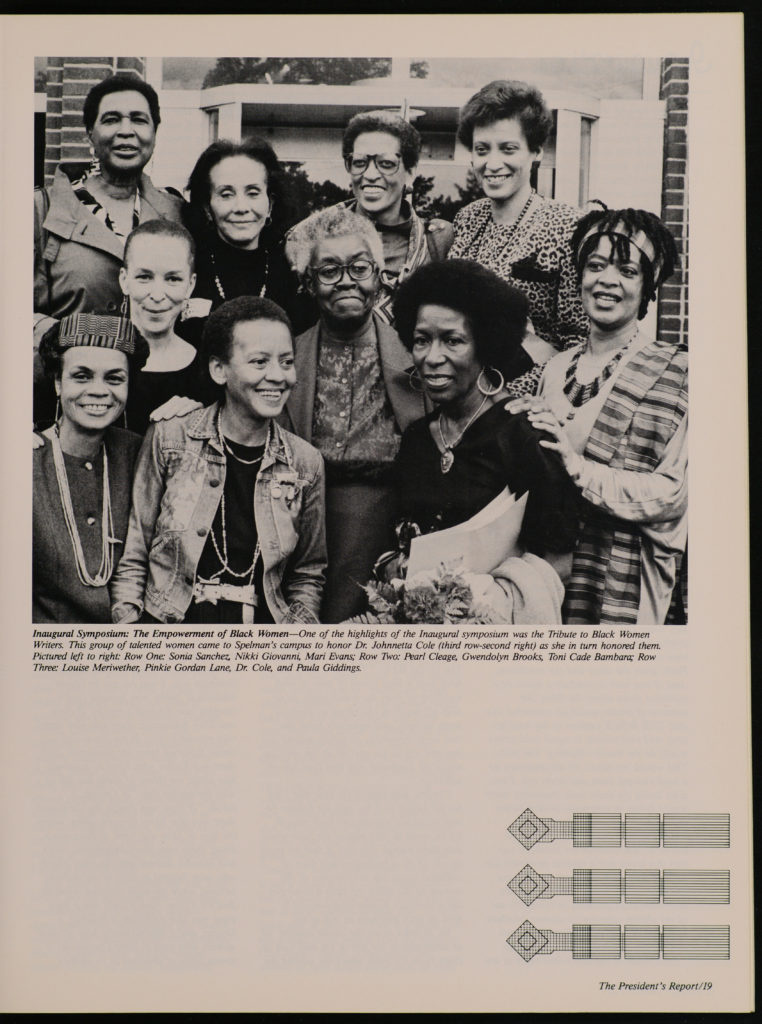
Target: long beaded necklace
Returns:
[[510, 231], [222, 550], [578, 393], [218, 283], [447, 457], [106, 567]]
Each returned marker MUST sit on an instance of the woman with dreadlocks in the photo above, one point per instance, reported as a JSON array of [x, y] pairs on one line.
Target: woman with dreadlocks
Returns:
[[616, 409]]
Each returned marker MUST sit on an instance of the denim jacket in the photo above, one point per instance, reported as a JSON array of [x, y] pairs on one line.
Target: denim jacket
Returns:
[[179, 480]]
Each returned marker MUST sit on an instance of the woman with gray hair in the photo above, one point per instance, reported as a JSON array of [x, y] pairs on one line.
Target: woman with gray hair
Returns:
[[380, 150], [354, 397]]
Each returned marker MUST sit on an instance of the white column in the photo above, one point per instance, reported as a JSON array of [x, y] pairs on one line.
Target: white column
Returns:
[[230, 121], [567, 156]]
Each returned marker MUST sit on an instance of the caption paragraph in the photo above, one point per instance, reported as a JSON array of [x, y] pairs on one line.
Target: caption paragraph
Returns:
[[325, 648]]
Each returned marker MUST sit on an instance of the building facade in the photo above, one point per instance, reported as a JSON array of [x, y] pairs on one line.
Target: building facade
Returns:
[[620, 128]]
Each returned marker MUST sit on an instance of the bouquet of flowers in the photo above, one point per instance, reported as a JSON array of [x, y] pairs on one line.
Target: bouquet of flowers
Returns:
[[443, 597]]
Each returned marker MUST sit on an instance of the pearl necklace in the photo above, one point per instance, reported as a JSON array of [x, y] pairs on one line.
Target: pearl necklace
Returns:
[[218, 283], [103, 575], [447, 457]]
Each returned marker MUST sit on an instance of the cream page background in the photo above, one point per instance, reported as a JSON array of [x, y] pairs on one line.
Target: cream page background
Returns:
[[340, 843]]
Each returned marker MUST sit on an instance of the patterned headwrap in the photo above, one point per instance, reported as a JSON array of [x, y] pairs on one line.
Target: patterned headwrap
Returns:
[[98, 331], [639, 240]]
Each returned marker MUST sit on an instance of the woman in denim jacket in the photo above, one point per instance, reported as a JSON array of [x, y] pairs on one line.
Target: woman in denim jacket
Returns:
[[227, 521]]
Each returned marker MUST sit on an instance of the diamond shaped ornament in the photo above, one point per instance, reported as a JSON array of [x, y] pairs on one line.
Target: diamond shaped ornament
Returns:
[[527, 941], [528, 885], [528, 829]]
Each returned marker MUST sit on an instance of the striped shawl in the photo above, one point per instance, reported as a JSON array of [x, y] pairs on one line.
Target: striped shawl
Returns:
[[642, 412]]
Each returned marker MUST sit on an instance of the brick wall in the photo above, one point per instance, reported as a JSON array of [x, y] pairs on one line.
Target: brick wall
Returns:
[[69, 81], [673, 297]]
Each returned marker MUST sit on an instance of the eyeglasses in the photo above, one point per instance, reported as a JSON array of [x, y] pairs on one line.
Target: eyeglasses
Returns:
[[332, 273], [386, 163]]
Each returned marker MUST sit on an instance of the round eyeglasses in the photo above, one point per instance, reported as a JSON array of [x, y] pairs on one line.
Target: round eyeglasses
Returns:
[[386, 163], [332, 273]]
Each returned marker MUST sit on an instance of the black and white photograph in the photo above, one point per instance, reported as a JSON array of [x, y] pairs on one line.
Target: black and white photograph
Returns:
[[348, 304]]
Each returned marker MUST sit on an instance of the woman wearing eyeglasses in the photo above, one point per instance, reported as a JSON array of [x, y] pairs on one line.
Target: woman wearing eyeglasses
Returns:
[[354, 397], [380, 151]]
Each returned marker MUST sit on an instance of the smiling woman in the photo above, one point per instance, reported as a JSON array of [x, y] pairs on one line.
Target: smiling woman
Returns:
[[227, 521], [615, 409], [519, 234], [380, 151], [156, 279], [81, 223], [83, 470], [237, 214]]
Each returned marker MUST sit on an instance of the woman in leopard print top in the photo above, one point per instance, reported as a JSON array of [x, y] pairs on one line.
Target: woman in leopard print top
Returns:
[[520, 235]]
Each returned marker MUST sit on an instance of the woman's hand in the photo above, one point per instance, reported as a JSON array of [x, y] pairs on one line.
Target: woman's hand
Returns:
[[178, 405], [545, 421], [526, 403]]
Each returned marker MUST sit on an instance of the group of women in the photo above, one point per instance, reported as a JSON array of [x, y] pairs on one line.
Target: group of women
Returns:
[[433, 366]]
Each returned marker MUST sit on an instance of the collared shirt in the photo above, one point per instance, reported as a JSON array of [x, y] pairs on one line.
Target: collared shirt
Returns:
[[354, 426]]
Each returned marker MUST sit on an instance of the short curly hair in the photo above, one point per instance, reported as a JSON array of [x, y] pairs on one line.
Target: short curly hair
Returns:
[[200, 185], [616, 225], [495, 310], [51, 353], [119, 83], [217, 337], [335, 222], [503, 100], [392, 124]]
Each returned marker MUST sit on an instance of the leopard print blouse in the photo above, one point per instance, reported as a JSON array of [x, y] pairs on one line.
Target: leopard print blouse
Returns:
[[537, 259]]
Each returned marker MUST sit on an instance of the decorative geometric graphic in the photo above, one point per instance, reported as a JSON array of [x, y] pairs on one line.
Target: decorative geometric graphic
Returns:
[[528, 941], [633, 942], [673, 831], [528, 885], [633, 885], [528, 829]]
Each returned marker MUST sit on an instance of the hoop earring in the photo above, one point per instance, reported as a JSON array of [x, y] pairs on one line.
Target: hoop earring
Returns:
[[415, 382], [124, 309], [494, 391]]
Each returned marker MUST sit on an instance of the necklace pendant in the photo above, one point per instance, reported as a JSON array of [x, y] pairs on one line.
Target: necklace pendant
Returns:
[[446, 460]]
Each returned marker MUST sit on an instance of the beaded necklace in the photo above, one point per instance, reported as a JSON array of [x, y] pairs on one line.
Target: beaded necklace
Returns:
[[221, 550], [108, 540], [218, 283], [578, 393]]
